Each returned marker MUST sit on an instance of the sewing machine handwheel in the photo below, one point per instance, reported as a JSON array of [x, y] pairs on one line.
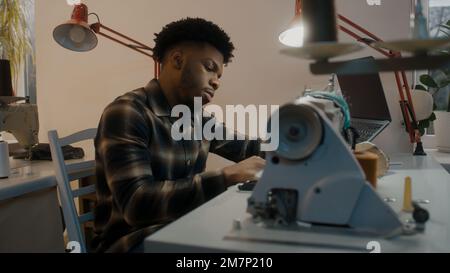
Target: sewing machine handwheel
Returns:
[[300, 131]]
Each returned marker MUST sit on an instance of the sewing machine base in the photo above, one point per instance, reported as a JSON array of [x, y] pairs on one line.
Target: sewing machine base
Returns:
[[340, 238]]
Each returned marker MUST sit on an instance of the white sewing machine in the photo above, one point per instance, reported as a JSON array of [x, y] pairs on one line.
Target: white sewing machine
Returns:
[[22, 121], [313, 183]]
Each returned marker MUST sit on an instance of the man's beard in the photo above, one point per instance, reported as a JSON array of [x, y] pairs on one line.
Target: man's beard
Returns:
[[189, 84]]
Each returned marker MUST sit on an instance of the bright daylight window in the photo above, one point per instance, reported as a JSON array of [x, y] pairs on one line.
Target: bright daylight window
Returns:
[[27, 85], [438, 15], [17, 27]]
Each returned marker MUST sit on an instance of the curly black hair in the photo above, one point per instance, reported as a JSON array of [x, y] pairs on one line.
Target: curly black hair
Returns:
[[194, 30]]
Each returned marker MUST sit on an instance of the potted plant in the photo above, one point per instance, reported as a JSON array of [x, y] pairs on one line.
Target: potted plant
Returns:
[[438, 84], [15, 43]]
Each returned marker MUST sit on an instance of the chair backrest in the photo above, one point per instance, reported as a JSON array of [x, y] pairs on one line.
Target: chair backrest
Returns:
[[67, 172]]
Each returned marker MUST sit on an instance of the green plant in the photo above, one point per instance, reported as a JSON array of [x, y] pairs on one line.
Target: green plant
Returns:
[[437, 83], [15, 40]]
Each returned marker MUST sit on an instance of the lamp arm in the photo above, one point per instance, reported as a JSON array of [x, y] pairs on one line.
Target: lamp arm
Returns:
[[406, 104], [141, 47], [136, 46], [368, 42], [358, 27]]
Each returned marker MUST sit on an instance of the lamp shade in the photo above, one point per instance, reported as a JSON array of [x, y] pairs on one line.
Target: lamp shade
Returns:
[[294, 34], [75, 34]]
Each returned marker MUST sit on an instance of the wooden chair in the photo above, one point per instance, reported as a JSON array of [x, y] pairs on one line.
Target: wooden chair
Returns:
[[65, 173]]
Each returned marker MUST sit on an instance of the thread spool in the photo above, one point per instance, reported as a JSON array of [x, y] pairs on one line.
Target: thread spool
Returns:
[[383, 159], [407, 196], [368, 162]]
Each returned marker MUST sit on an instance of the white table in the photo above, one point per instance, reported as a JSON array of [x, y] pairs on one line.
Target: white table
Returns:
[[204, 229], [26, 177], [441, 157], [30, 219]]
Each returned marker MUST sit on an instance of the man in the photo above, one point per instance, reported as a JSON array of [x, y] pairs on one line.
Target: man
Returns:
[[146, 179]]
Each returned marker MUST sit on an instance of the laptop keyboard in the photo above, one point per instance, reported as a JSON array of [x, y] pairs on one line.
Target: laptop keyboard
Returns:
[[365, 130]]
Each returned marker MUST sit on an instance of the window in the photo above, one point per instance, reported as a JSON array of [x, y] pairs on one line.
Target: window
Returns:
[[438, 14], [27, 84]]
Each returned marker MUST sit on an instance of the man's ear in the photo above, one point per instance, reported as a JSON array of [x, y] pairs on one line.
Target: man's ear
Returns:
[[176, 59]]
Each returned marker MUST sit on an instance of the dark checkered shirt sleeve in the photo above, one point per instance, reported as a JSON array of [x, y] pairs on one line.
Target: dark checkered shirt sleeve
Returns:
[[145, 179]]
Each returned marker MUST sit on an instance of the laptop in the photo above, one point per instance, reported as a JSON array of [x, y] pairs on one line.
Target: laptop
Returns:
[[367, 102]]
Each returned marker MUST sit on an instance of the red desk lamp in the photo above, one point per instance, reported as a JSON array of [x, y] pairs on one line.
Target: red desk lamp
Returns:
[[77, 35]]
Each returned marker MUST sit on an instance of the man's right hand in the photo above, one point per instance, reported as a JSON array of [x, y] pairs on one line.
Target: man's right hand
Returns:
[[243, 171]]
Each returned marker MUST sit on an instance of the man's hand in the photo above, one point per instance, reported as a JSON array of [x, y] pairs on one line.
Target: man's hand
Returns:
[[243, 171]]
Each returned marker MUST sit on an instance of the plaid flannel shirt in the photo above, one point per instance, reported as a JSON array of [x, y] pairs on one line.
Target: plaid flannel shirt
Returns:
[[146, 179]]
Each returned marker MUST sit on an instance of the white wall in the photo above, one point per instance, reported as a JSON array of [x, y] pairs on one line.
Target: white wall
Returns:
[[73, 88]]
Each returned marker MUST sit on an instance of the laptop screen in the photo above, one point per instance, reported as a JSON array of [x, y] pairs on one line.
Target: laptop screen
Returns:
[[364, 94]]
